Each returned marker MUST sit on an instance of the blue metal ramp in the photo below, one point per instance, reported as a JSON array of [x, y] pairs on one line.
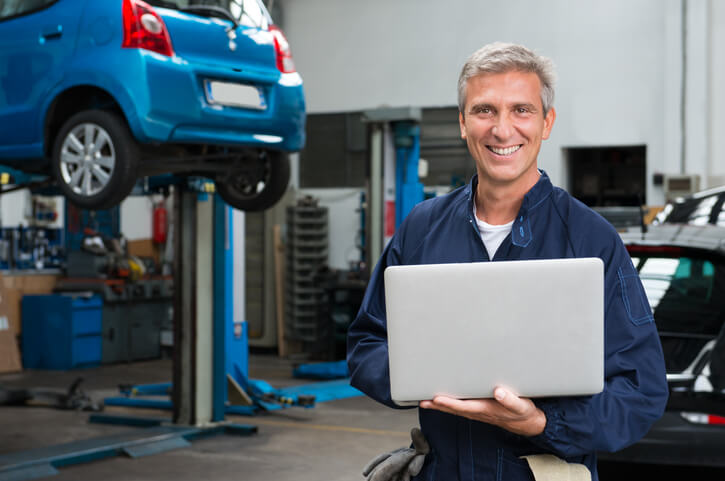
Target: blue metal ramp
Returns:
[[41, 462]]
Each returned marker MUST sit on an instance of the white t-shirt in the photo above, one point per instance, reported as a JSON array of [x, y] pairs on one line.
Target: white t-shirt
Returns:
[[491, 235]]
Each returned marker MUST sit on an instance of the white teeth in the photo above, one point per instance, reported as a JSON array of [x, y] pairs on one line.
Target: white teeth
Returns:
[[506, 151]]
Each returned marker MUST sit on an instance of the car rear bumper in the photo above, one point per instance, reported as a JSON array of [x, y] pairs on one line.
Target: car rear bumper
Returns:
[[177, 110], [675, 441]]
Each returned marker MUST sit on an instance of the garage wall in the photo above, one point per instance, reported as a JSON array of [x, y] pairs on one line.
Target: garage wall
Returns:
[[15, 206], [136, 217], [716, 93], [619, 64]]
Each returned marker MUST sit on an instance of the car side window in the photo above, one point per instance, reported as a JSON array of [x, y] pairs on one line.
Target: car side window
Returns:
[[15, 8]]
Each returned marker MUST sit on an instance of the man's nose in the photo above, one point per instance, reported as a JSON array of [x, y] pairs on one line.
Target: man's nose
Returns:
[[503, 128]]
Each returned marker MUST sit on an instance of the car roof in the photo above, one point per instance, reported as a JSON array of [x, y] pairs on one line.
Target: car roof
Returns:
[[707, 237], [706, 193]]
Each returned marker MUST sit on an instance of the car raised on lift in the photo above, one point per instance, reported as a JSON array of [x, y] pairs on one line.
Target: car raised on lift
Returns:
[[100, 93]]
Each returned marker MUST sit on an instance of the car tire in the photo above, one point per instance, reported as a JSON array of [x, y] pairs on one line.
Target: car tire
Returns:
[[92, 176], [257, 184]]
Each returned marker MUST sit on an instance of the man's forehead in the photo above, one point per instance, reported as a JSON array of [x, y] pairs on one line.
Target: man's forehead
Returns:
[[518, 75], [513, 83]]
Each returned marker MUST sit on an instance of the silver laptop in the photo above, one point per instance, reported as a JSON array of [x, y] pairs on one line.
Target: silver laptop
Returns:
[[536, 327]]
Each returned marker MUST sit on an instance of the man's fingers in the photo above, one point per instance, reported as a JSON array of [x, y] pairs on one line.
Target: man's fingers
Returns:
[[438, 407], [502, 398], [473, 408], [511, 401], [457, 405], [506, 410]]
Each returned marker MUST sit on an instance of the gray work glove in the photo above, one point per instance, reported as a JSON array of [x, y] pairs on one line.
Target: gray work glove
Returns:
[[401, 464]]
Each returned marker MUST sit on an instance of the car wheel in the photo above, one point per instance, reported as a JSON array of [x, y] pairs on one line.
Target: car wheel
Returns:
[[95, 159], [257, 184]]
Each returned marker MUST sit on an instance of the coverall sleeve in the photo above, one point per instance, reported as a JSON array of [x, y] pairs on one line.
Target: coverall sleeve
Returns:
[[367, 337], [635, 385]]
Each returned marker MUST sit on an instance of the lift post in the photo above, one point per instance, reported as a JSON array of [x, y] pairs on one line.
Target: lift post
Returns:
[[210, 345], [201, 299], [408, 189], [393, 184]]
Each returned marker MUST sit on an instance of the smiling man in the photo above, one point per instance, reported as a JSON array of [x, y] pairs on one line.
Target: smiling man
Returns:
[[511, 211]]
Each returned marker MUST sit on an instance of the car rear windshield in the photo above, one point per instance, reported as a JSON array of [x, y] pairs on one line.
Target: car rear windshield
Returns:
[[687, 296], [248, 13], [695, 210]]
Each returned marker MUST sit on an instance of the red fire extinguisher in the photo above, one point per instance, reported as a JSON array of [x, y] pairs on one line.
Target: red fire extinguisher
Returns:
[[159, 223]]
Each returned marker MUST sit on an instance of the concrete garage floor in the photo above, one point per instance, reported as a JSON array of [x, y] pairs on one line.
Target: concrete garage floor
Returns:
[[330, 442]]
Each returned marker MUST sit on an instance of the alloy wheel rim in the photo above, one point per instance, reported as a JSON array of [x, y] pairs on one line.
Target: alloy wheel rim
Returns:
[[87, 159]]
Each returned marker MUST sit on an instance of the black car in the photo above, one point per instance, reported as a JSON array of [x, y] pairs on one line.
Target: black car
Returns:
[[682, 268], [706, 207]]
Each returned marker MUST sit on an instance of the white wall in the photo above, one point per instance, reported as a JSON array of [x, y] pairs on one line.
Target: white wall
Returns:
[[716, 93], [618, 62], [16, 207], [136, 217]]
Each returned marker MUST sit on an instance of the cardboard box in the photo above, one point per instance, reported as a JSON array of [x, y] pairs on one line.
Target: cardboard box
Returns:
[[32, 283], [11, 298], [14, 287], [144, 248], [9, 353]]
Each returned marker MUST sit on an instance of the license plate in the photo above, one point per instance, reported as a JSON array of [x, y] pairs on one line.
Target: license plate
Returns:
[[235, 95]]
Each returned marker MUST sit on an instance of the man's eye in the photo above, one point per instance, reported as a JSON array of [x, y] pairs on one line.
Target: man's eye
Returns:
[[482, 110], [522, 110]]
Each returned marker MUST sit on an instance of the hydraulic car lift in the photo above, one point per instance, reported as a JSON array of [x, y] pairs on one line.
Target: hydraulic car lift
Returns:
[[238, 393], [210, 356], [202, 299]]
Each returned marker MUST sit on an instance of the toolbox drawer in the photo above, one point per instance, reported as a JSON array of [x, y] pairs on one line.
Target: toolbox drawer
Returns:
[[61, 331], [86, 315], [86, 351]]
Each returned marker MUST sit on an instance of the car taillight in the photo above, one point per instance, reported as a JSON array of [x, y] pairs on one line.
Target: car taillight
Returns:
[[282, 50], [144, 28], [701, 418], [654, 250]]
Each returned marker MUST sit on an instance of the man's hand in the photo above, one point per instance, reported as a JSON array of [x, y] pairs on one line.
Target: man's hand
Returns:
[[508, 411]]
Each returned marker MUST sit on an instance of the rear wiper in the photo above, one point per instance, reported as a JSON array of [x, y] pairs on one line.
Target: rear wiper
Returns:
[[163, 4], [212, 11]]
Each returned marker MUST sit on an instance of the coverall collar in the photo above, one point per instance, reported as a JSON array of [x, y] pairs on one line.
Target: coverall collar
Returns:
[[521, 229]]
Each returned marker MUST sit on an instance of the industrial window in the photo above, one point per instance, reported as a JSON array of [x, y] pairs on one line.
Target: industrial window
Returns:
[[607, 176]]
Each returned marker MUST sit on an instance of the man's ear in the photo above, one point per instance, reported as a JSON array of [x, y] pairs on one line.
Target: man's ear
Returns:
[[548, 123], [462, 124]]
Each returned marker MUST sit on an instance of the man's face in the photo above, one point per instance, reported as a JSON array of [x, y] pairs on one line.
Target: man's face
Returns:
[[504, 125]]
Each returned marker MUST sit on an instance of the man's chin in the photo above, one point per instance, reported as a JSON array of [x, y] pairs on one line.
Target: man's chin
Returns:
[[506, 176]]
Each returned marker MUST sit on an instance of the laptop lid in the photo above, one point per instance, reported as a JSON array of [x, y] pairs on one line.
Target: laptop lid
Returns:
[[536, 327]]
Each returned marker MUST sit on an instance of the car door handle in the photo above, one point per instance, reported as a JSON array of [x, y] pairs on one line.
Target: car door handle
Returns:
[[50, 33]]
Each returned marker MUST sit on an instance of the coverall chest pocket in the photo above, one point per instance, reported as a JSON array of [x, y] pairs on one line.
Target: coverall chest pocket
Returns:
[[633, 296]]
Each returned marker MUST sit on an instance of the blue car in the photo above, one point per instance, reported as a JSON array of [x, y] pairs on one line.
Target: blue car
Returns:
[[98, 93]]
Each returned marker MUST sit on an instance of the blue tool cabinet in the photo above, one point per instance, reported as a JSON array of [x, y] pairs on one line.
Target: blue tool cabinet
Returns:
[[61, 331]]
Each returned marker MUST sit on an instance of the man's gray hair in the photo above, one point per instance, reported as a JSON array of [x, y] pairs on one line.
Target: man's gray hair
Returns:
[[502, 57]]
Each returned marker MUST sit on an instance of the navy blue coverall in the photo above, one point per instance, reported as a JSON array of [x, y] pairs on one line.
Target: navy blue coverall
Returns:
[[550, 224]]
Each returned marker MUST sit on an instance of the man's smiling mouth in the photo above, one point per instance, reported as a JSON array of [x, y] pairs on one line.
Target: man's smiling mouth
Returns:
[[505, 150]]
